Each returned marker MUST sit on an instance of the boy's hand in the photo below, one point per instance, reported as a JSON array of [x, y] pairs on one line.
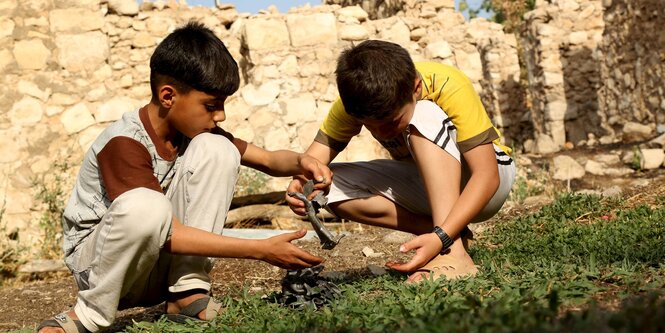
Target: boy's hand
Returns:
[[280, 252], [314, 169], [427, 246], [296, 205]]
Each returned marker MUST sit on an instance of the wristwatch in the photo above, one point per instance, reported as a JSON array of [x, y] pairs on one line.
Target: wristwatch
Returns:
[[445, 239]]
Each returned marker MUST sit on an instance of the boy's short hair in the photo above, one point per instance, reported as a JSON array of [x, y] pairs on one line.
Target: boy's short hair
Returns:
[[192, 57], [375, 78]]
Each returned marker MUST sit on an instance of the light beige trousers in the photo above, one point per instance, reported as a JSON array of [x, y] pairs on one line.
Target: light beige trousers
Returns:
[[122, 263]]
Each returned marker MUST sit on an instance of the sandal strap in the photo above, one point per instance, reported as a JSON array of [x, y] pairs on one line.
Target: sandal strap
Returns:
[[194, 308], [64, 321]]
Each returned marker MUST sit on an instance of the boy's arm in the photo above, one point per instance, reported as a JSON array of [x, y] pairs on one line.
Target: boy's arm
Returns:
[[281, 163], [451, 210], [276, 250]]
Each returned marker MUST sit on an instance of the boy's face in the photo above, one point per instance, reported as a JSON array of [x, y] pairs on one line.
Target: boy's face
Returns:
[[398, 121], [195, 112], [393, 126]]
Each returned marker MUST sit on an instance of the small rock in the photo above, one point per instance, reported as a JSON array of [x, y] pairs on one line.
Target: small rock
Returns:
[[397, 237], [613, 191], [376, 270], [369, 252]]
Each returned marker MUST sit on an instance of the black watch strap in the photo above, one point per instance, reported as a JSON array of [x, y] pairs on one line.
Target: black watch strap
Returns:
[[446, 241]]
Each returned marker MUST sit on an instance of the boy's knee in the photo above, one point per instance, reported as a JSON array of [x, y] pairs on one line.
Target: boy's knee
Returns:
[[147, 213]]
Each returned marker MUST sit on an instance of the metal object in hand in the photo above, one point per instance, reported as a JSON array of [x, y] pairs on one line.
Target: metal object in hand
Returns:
[[328, 241]]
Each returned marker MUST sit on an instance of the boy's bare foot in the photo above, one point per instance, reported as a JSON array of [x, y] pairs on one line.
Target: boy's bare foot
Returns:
[[450, 266]]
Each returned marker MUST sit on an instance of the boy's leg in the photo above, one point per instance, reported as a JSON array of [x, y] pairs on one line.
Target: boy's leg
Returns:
[[201, 195], [391, 194], [119, 254]]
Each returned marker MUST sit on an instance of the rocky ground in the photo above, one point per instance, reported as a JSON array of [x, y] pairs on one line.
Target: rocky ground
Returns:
[[29, 299]]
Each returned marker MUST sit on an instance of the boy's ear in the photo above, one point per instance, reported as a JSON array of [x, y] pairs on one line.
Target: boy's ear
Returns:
[[418, 88], [167, 94]]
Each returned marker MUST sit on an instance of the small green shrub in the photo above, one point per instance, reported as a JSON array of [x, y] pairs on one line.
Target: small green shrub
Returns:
[[250, 181], [10, 252], [51, 195]]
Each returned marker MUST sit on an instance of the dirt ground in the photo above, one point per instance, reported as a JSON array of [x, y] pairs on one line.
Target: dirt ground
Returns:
[[24, 303]]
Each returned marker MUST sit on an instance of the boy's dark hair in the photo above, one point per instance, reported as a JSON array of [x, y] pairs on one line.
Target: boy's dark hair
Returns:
[[192, 57], [375, 78]]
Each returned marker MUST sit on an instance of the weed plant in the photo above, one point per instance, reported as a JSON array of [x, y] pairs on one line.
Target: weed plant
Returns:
[[10, 259], [51, 194], [250, 181], [579, 264]]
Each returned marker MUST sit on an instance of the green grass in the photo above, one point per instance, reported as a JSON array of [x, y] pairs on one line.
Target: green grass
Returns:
[[578, 264]]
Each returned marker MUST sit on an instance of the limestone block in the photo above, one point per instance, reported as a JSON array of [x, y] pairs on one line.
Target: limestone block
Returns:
[[242, 130], [88, 4], [113, 109], [306, 133], [31, 89], [578, 37], [439, 49], [566, 168], [545, 145], [78, 52], [262, 95], [553, 79], [594, 168], [312, 29], [143, 39], [353, 32], [633, 132], [236, 109], [262, 117], [418, 33], [159, 25], [289, 65], [556, 110], [27, 111], [275, 137], [6, 27], [104, 72], [75, 20], [31, 54], [32, 7], [651, 158], [397, 32], [123, 7], [77, 118], [437, 4], [470, 64], [7, 6], [52, 110], [353, 11], [6, 59], [262, 34], [299, 109], [9, 149], [63, 99], [88, 136]]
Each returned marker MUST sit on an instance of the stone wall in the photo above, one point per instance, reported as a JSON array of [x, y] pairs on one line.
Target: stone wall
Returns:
[[70, 67], [595, 72], [561, 54], [633, 68]]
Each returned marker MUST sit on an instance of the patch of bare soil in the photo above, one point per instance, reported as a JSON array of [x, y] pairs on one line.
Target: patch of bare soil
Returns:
[[25, 303]]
